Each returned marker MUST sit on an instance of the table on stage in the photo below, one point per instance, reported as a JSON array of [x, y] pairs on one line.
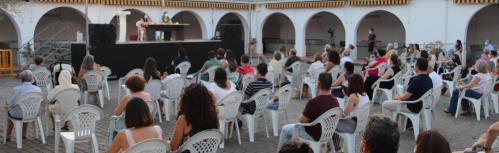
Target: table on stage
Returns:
[[169, 30]]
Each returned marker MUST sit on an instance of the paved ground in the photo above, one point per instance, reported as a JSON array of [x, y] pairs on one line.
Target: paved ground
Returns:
[[460, 132]]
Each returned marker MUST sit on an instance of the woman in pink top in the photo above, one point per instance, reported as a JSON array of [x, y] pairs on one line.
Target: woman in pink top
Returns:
[[372, 75]]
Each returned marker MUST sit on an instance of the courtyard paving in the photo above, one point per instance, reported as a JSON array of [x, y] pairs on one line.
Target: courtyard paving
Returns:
[[461, 132]]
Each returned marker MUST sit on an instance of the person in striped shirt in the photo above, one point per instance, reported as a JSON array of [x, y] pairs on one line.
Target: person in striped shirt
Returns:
[[253, 87]]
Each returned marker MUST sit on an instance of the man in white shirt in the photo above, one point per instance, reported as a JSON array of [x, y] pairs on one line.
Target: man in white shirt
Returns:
[[435, 78], [317, 64], [345, 58]]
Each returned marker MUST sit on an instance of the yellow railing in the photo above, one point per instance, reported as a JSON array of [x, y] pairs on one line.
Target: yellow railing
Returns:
[[6, 62]]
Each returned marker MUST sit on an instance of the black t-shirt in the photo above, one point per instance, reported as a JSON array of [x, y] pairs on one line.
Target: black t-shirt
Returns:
[[418, 86], [290, 61]]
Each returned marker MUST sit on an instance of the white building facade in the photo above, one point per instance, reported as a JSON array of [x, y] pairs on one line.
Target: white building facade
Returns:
[[302, 25]]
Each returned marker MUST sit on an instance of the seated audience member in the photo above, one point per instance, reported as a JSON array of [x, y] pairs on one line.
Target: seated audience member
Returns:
[[275, 60], [220, 54], [372, 75], [325, 54], [151, 70], [345, 58], [208, 64], [169, 74], [136, 86], [182, 57], [291, 59], [435, 78], [197, 101], [87, 65], [316, 65], [313, 109], [418, 86], [333, 61], [453, 63], [431, 142], [356, 99], [230, 65], [65, 82], [14, 111], [295, 147], [221, 86], [37, 65], [477, 86], [139, 127], [253, 87], [381, 135], [486, 140], [349, 68], [245, 68], [485, 55], [390, 72]]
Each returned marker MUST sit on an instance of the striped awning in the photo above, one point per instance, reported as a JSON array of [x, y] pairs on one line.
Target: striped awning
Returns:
[[133, 2], [208, 5], [377, 2], [319, 4], [475, 1], [69, 1]]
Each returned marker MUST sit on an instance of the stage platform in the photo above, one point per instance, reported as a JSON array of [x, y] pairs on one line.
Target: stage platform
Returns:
[[123, 57]]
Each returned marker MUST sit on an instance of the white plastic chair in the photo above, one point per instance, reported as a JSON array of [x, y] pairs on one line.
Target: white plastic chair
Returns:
[[229, 112], [247, 79], [284, 94], [388, 93], [296, 78], [30, 107], [456, 74], [83, 120], [153, 87], [173, 91], [328, 121], [261, 98], [93, 83], [335, 71], [121, 81], [211, 73], [183, 68], [362, 115], [428, 111], [477, 103], [43, 79], [413, 117], [106, 72], [149, 146], [311, 80], [206, 141], [66, 101]]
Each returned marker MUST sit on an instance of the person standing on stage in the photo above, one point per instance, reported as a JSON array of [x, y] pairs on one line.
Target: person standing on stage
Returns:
[[141, 27], [371, 40]]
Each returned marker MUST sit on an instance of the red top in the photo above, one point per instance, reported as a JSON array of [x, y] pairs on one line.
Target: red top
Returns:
[[314, 108], [378, 60], [245, 69]]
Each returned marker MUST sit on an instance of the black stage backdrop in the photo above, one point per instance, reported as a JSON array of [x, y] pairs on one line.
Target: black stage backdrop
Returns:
[[122, 58]]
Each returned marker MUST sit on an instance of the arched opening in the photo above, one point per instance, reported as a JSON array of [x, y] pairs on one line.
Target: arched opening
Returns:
[[387, 27], [59, 26], [131, 20], [231, 28], [194, 30], [324, 28], [482, 26], [9, 33], [277, 31]]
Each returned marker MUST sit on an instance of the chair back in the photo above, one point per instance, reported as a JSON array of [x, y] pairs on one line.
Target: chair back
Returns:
[[174, 88], [489, 86], [435, 96], [271, 77], [426, 99], [261, 98], [335, 71], [149, 146], [296, 67], [457, 73], [314, 74], [211, 73], [362, 115], [29, 104], [382, 68], [106, 71], [42, 77], [183, 67], [328, 121], [67, 99], [136, 71], [247, 78], [231, 104], [153, 87], [206, 141], [284, 94], [83, 119], [93, 81]]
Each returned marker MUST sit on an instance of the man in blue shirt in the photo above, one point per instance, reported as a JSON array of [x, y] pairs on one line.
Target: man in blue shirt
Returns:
[[418, 86], [15, 111]]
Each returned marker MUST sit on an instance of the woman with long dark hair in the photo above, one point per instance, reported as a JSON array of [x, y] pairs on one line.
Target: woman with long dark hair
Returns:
[[151, 69], [197, 113], [221, 87], [230, 65], [356, 99], [431, 142]]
